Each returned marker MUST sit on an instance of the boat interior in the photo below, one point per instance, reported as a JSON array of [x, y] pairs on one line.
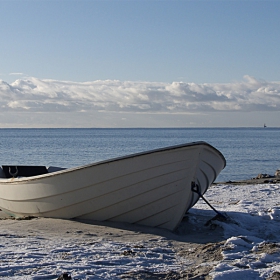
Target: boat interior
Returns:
[[14, 171]]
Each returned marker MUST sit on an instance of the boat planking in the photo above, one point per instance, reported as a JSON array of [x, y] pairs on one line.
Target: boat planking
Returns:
[[152, 188]]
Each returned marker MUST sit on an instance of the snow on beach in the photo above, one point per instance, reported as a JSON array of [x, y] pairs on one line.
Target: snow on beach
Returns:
[[252, 237], [247, 246]]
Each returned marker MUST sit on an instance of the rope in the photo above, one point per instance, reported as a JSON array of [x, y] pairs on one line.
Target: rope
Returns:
[[195, 189]]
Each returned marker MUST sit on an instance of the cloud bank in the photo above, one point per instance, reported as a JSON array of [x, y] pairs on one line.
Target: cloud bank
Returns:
[[44, 95]]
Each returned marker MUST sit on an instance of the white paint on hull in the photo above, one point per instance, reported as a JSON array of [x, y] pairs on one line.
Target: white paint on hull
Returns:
[[151, 188]]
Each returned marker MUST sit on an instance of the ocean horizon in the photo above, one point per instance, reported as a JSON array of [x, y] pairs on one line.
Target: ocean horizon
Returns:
[[249, 151]]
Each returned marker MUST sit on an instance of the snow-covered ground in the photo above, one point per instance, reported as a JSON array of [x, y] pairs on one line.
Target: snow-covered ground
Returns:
[[252, 247], [249, 247]]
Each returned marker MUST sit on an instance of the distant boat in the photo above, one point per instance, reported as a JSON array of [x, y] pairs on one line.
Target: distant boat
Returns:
[[264, 125], [152, 188]]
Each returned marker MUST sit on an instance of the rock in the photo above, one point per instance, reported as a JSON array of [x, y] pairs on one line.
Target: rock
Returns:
[[64, 276], [277, 173], [261, 176]]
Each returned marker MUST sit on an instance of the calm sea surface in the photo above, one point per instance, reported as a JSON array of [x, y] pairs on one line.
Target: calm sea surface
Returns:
[[248, 151]]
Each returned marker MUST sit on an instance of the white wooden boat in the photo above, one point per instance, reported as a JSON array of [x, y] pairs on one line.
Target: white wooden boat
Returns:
[[152, 188]]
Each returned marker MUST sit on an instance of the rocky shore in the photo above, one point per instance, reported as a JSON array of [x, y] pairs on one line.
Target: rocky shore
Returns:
[[259, 179], [270, 180]]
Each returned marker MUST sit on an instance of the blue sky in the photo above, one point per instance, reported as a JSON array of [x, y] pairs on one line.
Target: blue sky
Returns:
[[150, 41], [163, 41]]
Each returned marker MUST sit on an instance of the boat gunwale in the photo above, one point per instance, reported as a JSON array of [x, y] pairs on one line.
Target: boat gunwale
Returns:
[[73, 169]]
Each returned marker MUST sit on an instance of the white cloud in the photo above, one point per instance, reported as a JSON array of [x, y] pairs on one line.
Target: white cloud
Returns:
[[17, 104], [16, 74], [42, 95]]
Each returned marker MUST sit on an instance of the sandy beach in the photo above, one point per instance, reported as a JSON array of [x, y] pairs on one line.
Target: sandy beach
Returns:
[[43, 248], [198, 243]]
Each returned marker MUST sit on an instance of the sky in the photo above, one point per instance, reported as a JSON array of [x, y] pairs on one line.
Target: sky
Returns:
[[132, 63]]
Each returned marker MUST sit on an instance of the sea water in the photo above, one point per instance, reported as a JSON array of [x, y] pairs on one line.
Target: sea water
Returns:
[[248, 151]]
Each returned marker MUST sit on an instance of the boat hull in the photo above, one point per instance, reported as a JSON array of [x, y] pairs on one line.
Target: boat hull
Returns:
[[151, 188]]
